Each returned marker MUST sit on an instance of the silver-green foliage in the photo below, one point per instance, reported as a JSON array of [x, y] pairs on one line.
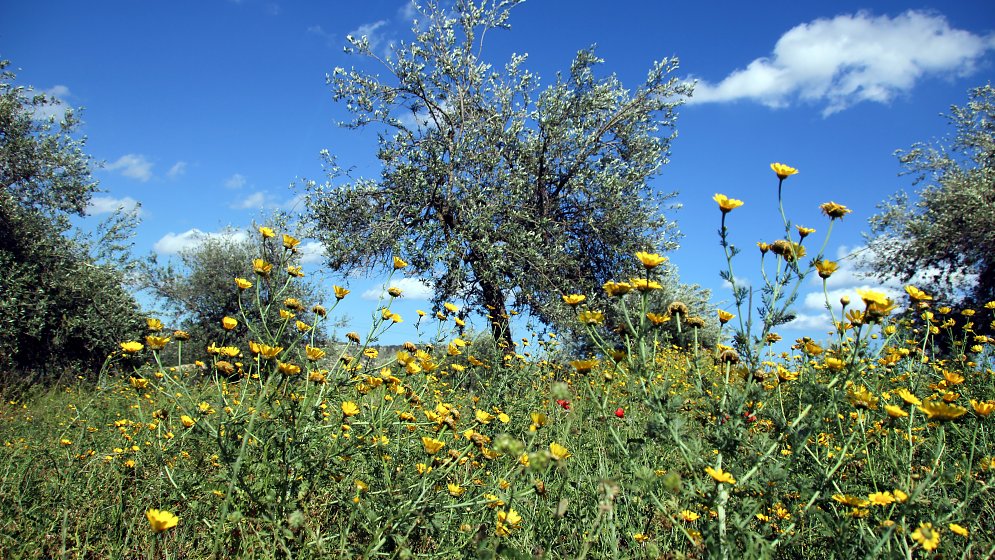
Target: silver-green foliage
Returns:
[[493, 189], [948, 229], [62, 300]]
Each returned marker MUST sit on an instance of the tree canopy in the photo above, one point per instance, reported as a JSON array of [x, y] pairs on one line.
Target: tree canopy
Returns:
[[944, 237], [199, 291], [494, 190], [63, 303]]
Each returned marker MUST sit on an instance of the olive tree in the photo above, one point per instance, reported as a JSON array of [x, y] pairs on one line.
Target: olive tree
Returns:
[[63, 306], [198, 289], [946, 230], [497, 191]]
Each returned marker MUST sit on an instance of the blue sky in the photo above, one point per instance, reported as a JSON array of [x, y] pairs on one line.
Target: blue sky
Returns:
[[204, 112]]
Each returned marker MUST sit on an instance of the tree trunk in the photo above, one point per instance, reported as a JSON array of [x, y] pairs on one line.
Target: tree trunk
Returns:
[[497, 314]]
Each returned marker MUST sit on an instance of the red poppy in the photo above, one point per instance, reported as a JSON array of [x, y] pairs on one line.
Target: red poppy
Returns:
[[620, 412], [563, 403]]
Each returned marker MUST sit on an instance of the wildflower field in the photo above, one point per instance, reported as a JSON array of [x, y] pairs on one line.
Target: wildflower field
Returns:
[[875, 442]]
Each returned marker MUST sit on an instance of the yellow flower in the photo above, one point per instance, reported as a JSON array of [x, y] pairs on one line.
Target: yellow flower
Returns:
[[895, 411], [229, 323], [156, 342], [261, 267], [187, 421], [650, 260], [656, 318], [290, 242], [851, 501], [455, 489], [295, 271], [340, 292], [834, 364], [872, 297], [574, 299], [959, 530], [559, 451], [689, 516], [160, 520], [138, 382], [584, 366], [927, 536], [861, 397], [983, 408], [131, 347], [644, 285], [720, 475], [783, 171], [313, 353], [155, 325], [834, 211], [617, 288], [350, 408], [399, 263], [804, 232], [942, 411], [812, 348], [506, 521], [881, 499], [288, 369], [589, 317], [267, 232], [432, 445], [394, 291], [725, 316], [917, 294], [243, 284], [483, 416], [907, 396], [267, 351], [640, 537], [727, 204], [826, 268]]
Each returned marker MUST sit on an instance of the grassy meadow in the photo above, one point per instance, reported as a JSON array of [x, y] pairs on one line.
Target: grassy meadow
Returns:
[[875, 442]]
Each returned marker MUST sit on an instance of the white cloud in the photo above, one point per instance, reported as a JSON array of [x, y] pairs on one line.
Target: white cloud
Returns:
[[740, 281], [293, 204], [311, 252], [369, 30], [422, 119], [408, 12], [411, 289], [107, 204], [58, 91], [178, 169], [852, 58], [57, 105], [135, 166], [319, 31], [236, 181], [173, 243], [257, 200]]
